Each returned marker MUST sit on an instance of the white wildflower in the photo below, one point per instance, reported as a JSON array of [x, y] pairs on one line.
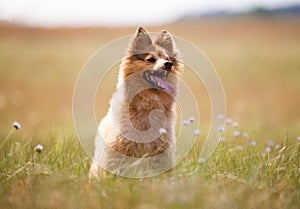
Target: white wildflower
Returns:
[[252, 143], [201, 160], [245, 135], [162, 131], [235, 124], [196, 132], [16, 125], [191, 119], [222, 128], [277, 146], [185, 122], [270, 143], [221, 117], [222, 139], [228, 121], [268, 149], [239, 147], [236, 133], [39, 148]]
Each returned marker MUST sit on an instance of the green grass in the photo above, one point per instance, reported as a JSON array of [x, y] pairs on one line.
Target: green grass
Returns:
[[57, 177]]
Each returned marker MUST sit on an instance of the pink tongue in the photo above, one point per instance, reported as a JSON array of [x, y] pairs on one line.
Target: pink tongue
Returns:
[[168, 87]]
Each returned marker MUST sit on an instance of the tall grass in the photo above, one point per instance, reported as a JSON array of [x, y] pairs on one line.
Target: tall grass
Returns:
[[57, 177]]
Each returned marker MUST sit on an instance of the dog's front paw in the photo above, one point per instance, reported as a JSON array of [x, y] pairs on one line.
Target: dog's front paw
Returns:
[[96, 173]]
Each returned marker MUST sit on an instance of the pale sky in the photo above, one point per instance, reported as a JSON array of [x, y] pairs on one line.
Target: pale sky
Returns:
[[53, 13]]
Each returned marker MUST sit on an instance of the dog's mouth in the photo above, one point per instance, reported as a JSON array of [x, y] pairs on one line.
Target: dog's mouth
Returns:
[[158, 80]]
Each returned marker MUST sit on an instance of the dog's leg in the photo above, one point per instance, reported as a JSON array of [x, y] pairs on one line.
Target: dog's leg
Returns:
[[94, 173]]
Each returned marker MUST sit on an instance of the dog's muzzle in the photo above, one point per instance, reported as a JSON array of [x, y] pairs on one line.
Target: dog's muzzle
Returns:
[[158, 79]]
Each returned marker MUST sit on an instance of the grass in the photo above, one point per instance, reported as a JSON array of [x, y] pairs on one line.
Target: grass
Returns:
[[57, 177], [258, 62]]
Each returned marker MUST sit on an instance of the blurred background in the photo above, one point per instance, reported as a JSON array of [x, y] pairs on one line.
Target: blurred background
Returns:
[[254, 45]]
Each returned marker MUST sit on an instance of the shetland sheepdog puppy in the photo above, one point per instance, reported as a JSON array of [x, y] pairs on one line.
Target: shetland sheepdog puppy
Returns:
[[140, 123]]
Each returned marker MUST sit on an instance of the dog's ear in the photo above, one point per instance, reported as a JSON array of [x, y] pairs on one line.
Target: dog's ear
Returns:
[[141, 42], [165, 40]]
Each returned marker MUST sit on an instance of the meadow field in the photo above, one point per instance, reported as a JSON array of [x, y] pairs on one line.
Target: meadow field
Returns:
[[258, 61]]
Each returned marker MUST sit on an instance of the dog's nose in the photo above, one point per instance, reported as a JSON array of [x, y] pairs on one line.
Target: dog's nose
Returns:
[[168, 65]]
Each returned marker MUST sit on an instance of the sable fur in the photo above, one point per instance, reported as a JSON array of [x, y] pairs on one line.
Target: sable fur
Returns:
[[137, 107]]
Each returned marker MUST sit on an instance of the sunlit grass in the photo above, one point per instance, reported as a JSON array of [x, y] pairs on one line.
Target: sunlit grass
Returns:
[[57, 177]]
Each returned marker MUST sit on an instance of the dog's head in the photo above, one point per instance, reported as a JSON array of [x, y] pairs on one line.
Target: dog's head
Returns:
[[156, 62]]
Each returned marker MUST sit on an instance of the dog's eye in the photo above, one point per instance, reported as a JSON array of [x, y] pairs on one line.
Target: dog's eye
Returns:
[[152, 60]]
